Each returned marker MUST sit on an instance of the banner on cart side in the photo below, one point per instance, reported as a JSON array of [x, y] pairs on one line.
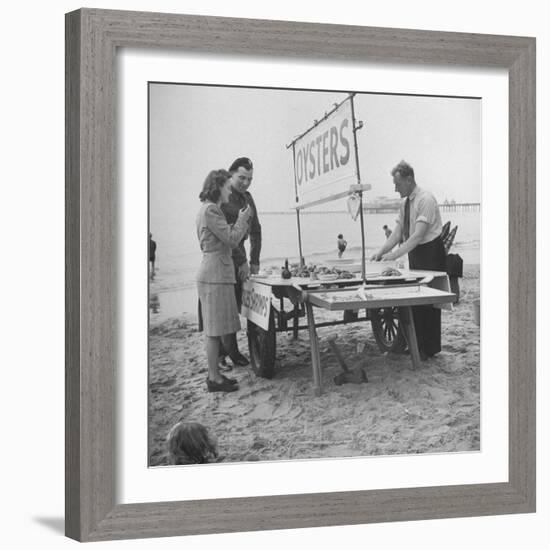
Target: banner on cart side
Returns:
[[256, 303], [324, 159]]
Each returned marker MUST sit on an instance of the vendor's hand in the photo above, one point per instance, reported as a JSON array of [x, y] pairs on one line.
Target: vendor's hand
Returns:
[[376, 257], [389, 257], [244, 272], [254, 269]]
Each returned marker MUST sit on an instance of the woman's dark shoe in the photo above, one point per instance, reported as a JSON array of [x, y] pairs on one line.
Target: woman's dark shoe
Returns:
[[238, 359], [232, 381], [224, 385]]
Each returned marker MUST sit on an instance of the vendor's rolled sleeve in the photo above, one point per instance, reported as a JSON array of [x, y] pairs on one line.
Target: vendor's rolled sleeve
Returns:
[[426, 210], [423, 208]]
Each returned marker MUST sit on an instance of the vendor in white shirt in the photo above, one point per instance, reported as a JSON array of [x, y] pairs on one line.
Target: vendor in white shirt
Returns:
[[418, 229]]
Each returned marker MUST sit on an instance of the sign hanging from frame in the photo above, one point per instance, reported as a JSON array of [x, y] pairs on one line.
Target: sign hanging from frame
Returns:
[[324, 163]]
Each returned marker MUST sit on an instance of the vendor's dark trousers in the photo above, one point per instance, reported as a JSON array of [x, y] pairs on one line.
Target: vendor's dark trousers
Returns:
[[427, 319]]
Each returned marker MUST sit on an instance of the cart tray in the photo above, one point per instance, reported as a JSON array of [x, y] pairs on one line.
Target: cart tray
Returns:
[[357, 298]]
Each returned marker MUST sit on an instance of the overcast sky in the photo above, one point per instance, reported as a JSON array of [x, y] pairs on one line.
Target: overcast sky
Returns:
[[194, 129]]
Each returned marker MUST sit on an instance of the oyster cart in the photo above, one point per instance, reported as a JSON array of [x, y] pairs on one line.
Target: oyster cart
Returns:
[[326, 168], [386, 305]]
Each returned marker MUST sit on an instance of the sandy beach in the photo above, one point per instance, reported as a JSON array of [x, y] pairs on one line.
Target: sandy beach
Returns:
[[399, 410]]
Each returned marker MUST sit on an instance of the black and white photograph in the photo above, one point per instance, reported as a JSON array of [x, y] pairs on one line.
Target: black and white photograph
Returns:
[[314, 274], [218, 329]]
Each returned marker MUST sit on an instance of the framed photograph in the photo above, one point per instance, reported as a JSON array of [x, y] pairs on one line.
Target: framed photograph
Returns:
[[278, 168]]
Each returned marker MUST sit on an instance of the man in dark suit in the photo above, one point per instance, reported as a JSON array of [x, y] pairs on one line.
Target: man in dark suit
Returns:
[[241, 171]]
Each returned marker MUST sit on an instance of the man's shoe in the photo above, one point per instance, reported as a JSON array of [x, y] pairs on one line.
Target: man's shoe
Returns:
[[238, 359], [225, 385]]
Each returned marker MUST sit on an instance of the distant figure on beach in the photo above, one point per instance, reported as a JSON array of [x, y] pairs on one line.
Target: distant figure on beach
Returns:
[[418, 229], [191, 443], [154, 303], [242, 171], [152, 254], [341, 243], [216, 277], [387, 231]]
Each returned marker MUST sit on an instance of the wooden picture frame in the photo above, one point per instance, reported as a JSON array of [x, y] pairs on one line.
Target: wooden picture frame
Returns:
[[92, 39]]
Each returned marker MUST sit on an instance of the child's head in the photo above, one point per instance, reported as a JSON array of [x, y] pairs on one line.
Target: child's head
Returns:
[[340, 236], [191, 443], [384, 227]]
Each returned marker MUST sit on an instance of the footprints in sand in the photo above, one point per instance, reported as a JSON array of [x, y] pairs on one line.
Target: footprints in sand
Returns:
[[160, 384], [399, 411], [271, 411]]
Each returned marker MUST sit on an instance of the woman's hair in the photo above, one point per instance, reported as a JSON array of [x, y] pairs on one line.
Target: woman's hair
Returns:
[[340, 236], [190, 443], [211, 188]]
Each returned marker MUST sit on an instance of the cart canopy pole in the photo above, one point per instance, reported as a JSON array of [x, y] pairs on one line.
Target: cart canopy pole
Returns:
[[355, 128], [302, 262], [363, 259], [297, 209]]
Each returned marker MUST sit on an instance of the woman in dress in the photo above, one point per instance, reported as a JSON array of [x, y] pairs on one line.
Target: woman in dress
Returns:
[[216, 276]]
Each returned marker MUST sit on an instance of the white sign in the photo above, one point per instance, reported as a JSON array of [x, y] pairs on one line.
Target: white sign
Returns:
[[256, 303], [324, 159]]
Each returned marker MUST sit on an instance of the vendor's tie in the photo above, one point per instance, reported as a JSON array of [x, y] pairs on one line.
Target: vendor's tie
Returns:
[[406, 220]]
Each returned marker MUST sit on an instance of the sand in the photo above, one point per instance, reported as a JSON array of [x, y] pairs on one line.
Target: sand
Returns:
[[435, 409]]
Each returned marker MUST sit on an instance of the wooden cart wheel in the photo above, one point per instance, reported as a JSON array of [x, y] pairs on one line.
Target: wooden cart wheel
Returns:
[[386, 329], [262, 347]]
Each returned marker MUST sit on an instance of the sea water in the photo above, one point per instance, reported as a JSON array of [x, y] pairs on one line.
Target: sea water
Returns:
[[172, 291]]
